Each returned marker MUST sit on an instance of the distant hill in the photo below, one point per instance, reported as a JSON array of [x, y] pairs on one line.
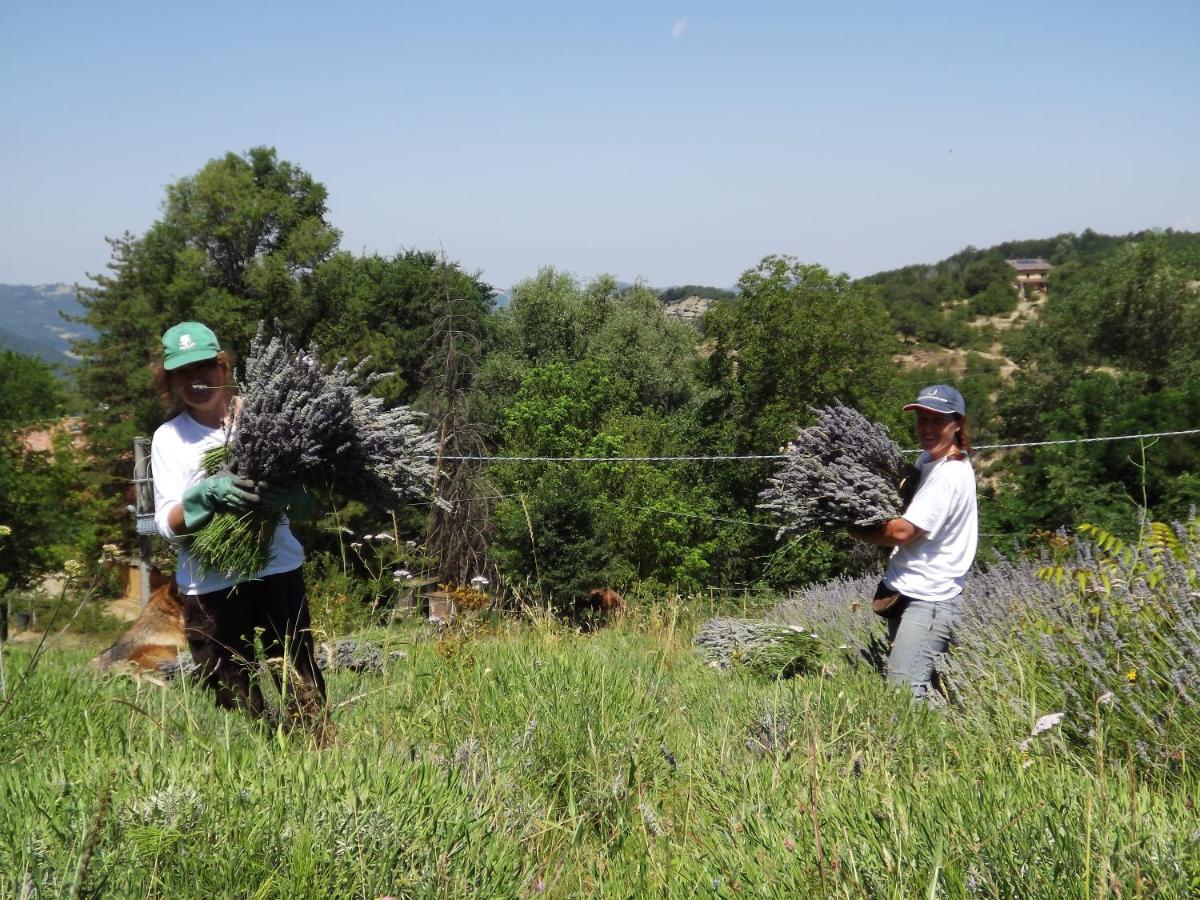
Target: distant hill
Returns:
[[31, 320], [951, 303]]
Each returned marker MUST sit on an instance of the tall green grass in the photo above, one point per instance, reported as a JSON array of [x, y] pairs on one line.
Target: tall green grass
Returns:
[[525, 759]]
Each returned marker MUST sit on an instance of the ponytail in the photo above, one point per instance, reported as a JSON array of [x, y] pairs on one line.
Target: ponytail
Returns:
[[962, 440]]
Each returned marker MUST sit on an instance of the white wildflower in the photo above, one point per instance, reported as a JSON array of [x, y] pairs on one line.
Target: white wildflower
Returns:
[[401, 574], [479, 582], [1045, 723]]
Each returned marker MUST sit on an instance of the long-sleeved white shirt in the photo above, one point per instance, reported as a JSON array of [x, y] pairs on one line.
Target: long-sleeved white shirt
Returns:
[[175, 455]]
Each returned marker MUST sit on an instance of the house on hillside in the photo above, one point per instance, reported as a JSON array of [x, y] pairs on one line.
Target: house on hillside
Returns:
[[1031, 273]]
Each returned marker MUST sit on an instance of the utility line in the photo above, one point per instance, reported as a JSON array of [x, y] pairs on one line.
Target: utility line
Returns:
[[778, 456]]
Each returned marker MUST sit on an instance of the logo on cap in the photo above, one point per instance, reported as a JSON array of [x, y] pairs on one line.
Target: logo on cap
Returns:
[[186, 342]]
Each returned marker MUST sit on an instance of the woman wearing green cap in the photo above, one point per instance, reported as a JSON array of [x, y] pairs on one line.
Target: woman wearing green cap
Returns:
[[935, 541], [222, 614]]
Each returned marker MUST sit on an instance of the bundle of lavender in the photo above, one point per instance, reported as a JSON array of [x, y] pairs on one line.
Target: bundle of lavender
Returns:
[[842, 470], [301, 426], [769, 649]]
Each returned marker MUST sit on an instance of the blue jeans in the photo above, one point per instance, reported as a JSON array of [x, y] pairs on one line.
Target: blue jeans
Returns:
[[922, 630]]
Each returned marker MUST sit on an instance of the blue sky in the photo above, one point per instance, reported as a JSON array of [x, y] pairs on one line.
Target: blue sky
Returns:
[[673, 143]]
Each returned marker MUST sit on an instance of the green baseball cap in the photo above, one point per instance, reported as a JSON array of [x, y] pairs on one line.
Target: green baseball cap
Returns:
[[188, 342]]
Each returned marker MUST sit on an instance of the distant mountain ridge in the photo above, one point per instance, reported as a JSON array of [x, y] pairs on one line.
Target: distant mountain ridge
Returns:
[[31, 321]]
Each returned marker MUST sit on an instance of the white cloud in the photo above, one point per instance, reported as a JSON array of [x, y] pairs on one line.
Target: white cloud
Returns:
[[679, 28]]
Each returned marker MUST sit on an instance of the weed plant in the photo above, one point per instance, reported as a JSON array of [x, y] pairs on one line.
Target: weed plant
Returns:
[[534, 760]]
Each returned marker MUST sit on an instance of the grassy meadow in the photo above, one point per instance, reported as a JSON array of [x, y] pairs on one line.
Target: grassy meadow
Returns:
[[515, 758]]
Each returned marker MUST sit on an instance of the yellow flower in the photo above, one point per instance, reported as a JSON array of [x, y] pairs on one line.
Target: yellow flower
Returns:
[[1131, 674], [5, 531]]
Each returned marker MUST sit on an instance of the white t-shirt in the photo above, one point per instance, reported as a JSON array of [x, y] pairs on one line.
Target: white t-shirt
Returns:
[[175, 456], [935, 567]]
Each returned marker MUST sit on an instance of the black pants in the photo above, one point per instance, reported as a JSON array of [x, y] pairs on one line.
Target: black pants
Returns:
[[221, 628]]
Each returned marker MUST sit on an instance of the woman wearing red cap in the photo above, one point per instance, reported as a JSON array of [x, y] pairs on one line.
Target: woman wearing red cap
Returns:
[[223, 613], [935, 541]]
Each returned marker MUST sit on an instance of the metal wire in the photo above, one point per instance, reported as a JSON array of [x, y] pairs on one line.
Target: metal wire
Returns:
[[777, 456]]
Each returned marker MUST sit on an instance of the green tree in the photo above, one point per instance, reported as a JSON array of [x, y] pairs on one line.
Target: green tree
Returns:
[[797, 336], [236, 243], [385, 307], [591, 370], [32, 391], [1116, 352], [43, 495]]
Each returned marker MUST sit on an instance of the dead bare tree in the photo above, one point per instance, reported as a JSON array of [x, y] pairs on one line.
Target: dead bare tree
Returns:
[[459, 529]]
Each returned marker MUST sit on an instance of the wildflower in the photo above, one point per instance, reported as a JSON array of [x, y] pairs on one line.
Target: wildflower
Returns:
[[344, 530], [479, 582], [5, 531], [355, 546], [1105, 699], [668, 756], [1131, 675], [401, 574], [410, 543], [1045, 723], [617, 788], [383, 536], [73, 568], [651, 820]]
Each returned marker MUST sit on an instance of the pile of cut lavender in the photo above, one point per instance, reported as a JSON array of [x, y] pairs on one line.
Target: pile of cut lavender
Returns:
[[768, 649], [842, 470], [300, 425]]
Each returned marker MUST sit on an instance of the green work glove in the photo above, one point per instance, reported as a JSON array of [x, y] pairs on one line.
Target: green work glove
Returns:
[[220, 492], [296, 501]]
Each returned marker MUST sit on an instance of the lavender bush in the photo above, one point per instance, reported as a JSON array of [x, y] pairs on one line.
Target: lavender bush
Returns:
[[842, 470], [1106, 633], [300, 425]]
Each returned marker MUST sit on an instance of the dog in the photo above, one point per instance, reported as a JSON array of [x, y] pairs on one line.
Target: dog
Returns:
[[155, 637], [596, 608]]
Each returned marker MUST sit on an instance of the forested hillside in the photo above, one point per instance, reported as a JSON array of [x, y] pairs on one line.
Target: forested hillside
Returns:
[[571, 368], [943, 303]]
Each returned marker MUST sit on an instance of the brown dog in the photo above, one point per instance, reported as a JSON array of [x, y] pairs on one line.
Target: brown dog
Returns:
[[605, 601], [155, 637], [597, 607]]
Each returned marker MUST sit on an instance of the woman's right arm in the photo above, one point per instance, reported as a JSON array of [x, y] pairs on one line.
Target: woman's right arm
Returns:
[[169, 484]]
